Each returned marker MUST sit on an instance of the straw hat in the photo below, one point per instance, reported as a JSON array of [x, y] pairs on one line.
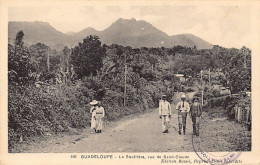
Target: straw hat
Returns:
[[94, 102], [183, 96]]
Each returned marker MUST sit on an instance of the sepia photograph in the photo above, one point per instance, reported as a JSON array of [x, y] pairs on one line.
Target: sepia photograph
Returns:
[[130, 79]]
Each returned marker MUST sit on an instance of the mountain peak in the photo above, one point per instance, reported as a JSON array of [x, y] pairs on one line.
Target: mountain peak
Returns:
[[125, 19], [132, 25], [126, 32], [129, 21], [88, 30]]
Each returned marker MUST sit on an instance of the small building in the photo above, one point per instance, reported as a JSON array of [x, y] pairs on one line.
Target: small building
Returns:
[[224, 91], [216, 86], [181, 77]]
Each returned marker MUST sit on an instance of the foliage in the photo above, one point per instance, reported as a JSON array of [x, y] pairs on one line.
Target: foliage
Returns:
[[46, 76], [39, 53], [36, 111], [236, 66], [65, 59], [189, 90], [102, 73], [87, 57], [39, 56], [19, 66]]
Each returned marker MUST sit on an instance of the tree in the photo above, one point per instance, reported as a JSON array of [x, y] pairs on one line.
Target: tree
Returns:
[[19, 66], [238, 76], [235, 66], [110, 62], [19, 38], [39, 53], [87, 56], [65, 59]]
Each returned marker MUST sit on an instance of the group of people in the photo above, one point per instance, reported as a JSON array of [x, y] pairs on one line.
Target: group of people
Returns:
[[183, 108], [97, 116], [165, 112]]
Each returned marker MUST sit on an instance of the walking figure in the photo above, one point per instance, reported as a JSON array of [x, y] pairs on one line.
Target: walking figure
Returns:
[[183, 108], [165, 113], [195, 113], [100, 114], [93, 114]]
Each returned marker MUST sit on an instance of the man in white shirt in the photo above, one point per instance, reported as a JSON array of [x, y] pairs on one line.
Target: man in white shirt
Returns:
[[165, 113], [183, 108]]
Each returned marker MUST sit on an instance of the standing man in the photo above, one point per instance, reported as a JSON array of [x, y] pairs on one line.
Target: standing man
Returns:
[[100, 114], [165, 113], [195, 113], [183, 108]]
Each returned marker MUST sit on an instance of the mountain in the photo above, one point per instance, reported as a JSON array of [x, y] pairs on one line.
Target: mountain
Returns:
[[126, 32], [189, 40], [37, 32], [132, 33], [85, 32]]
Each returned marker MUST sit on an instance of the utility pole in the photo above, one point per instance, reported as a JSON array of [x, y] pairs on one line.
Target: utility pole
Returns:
[[48, 60], [125, 83], [209, 77], [202, 91], [68, 58], [245, 53]]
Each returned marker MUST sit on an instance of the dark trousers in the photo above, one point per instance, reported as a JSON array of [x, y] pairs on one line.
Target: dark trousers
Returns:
[[182, 116], [195, 122]]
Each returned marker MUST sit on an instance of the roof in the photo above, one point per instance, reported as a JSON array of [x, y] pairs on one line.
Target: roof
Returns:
[[179, 75]]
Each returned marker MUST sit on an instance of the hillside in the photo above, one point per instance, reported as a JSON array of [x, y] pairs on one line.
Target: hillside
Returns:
[[126, 32], [35, 32]]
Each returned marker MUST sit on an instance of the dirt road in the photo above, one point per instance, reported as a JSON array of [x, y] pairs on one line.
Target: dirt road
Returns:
[[143, 134]]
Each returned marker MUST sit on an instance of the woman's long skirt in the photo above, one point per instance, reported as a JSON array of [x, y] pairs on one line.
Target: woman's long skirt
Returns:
[[93, 122]]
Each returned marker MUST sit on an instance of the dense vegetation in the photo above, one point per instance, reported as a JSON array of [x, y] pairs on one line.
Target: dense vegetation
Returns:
[[49, 91]]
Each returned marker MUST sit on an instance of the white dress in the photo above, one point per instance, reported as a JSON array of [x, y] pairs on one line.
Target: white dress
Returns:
[[100, 114], [93, 114]]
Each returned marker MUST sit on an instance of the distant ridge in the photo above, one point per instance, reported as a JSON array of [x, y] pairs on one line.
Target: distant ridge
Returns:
[[126, 32]]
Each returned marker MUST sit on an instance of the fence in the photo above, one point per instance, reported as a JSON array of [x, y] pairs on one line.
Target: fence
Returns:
[[241, 109], [243, 114]]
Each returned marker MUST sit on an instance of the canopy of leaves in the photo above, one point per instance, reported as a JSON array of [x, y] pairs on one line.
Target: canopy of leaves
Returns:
[[100, 72], [87, 57], [19, 66]]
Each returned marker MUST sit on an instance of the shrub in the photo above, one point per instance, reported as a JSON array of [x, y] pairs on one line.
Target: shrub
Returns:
[[35, 111], [216, 93], [189, 90]]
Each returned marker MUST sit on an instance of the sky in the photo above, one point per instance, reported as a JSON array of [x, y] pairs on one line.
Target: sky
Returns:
[[228, 26]]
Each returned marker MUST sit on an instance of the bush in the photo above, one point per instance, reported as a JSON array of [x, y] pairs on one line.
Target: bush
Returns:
[[46, 76], [34, 111], [216, 93], [189, 90], [227, 102]]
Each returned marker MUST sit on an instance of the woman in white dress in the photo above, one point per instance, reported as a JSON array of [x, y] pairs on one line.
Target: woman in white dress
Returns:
[[93, 114], [99, 115]]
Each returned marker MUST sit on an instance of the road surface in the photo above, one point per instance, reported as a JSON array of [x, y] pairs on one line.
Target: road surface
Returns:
[[143, 134]]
